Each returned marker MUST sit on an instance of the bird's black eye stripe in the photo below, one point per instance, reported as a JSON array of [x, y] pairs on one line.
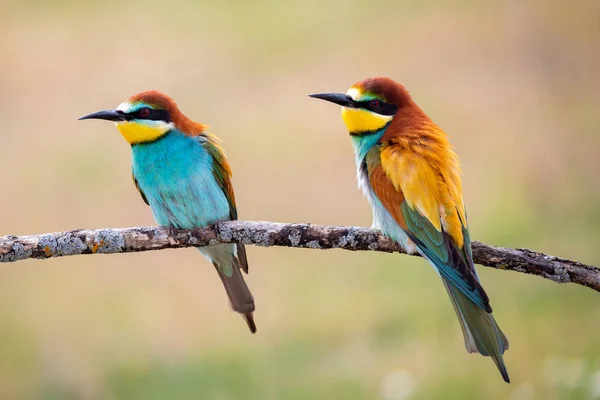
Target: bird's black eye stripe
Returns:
[[383, 109], [152, 115], [159, 115]]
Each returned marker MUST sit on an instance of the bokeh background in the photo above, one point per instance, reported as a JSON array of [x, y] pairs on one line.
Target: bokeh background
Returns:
[[515, 84]]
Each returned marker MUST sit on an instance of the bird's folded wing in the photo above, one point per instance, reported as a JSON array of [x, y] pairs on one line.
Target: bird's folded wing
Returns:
[[137, 186], [222, 174], [421, 200]]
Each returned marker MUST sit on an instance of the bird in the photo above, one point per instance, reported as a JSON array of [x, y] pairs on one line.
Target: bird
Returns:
[[411, 176], [181, 172]]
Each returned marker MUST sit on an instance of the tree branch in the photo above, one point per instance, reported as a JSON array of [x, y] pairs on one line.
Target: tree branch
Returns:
[[128, 240]]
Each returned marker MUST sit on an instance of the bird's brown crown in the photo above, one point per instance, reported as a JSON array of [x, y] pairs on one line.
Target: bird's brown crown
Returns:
[[384, 88], [161, 101]]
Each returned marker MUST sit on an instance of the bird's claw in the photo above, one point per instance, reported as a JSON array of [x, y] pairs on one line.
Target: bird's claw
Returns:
[[172, 234]]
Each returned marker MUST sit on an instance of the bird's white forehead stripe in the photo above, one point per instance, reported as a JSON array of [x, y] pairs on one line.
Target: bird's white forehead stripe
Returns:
[[125, 106], [353, 92]]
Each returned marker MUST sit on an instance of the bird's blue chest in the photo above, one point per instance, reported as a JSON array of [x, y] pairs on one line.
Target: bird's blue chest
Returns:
[[175, 173]]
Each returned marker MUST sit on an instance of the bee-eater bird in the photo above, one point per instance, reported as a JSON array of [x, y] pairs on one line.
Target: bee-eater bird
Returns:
[[181, 172], [411, 176]]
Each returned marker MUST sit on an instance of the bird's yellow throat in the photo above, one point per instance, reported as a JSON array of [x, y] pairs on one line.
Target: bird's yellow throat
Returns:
[[135, 132], [358, 120]]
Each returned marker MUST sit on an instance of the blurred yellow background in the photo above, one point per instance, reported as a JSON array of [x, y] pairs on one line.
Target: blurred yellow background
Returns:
[[515, 84]]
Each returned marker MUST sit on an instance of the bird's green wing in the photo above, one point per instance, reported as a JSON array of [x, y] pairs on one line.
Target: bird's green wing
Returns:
[[135, 182], [222, 174], [221, 171]]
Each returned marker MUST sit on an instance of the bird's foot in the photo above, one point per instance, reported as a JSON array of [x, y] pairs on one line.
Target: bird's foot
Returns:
[[172, 234]]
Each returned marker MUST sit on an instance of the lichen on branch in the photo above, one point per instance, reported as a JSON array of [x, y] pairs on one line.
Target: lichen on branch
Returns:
[[128, 240]]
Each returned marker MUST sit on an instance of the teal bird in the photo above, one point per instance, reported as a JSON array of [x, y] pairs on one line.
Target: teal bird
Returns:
[[181, 172]]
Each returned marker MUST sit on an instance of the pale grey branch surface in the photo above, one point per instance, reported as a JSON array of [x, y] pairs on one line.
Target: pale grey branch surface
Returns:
[[128, 240]]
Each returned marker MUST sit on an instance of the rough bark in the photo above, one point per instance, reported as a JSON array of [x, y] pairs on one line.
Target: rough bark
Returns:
[[128, 240]]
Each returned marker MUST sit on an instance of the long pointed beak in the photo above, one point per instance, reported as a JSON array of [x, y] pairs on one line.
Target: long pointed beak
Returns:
[[338, 98], [109, 115]]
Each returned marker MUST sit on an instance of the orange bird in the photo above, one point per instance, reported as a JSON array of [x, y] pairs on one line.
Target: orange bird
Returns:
[[411, 176]]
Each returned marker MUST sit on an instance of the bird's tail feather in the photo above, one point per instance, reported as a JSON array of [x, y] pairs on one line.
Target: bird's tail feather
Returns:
[[240, 298], [228, 265], [481, 332]]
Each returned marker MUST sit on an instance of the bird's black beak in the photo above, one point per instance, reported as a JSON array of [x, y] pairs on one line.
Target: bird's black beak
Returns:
[[338, 98], [109, 115]]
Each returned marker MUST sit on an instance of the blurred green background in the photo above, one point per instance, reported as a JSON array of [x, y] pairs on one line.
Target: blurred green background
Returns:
[[515, 84]]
